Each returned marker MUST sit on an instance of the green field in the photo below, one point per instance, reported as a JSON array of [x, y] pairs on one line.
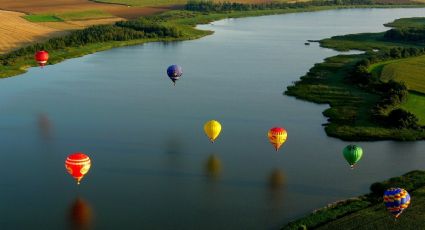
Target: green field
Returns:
[[368, 211], [409, 70], [416, 104], [68, 16], [83, 15], [42, 18]]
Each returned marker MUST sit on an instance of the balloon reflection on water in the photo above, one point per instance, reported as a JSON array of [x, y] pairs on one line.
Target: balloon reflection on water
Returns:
[[277, 179], [80, 215], [213, 166]]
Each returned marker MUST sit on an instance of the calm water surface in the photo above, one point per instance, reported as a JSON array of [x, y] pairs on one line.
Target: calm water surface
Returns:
[[146, 141]]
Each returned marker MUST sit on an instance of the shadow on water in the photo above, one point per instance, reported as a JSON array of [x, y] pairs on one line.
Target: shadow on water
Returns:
[[80, 215]]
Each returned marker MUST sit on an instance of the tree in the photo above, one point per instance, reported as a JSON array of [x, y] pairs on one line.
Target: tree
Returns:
[[400, 118]]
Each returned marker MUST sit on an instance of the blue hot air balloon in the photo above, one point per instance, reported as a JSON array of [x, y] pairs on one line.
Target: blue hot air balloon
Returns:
[[174, 72], [396, 200]]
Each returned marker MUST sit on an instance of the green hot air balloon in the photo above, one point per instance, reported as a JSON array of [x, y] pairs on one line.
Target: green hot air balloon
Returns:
[[352, 153]]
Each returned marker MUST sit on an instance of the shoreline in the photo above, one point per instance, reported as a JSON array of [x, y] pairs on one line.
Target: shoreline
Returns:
[[58, 56], [358, 109], [331, 215]]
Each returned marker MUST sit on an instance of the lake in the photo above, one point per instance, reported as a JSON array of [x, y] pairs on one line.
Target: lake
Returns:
[[145, 136]]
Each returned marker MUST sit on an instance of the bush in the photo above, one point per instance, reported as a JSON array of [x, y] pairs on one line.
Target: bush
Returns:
[[400, 118]]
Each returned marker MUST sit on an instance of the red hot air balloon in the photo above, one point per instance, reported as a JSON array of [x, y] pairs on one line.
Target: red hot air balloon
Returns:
[[41, 57], [78, 164]]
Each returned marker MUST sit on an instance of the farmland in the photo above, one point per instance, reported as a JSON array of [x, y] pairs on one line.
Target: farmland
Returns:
[[45, 19], [16, 31]]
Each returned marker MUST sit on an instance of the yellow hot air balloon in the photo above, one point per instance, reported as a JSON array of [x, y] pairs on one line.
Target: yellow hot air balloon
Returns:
[[277, 137], [212, 129]]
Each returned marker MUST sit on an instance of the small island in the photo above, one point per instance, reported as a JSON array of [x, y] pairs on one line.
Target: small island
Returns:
[[376, 95]]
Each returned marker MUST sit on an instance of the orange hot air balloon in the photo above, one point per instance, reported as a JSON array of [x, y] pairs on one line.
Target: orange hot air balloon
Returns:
[[41, 57], [78, 164], [277, 137]]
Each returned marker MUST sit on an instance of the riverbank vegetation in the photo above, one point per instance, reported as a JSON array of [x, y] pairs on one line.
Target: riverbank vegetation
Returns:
[[368, 211], [371, 94], [168, 26]]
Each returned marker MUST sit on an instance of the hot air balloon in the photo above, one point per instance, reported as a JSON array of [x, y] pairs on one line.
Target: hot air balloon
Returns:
[[277, 137], [352, 153], [212, 129], [174, 72], [78, 164], [396, 200], [41, 58]]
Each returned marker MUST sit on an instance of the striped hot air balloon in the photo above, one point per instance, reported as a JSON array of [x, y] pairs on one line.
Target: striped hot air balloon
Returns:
[[78, 165], [41, 57], [396, 200], [174, 72], [277, 137], [212, 129]]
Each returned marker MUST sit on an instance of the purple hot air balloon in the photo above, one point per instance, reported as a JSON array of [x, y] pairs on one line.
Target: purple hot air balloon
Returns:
[[174, 72]]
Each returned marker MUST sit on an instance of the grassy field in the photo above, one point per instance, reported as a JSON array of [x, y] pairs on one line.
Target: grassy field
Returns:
[[368, 211], [68, 16], [42, 18], [409, 70], [83, 15], [377, 218], [416, 104]]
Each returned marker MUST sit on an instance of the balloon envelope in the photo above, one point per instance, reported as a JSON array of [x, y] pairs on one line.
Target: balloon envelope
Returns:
[[174, 72], [352, 153], [396, 200], [212, 129], [277, 136], [41, 57], [77, 165]]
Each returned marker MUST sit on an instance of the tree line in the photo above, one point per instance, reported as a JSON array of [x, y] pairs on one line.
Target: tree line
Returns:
[[393, 93], [406, 34], [120, 31], [211, 6]]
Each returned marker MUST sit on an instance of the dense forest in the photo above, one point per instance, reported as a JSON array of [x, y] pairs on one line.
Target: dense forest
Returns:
[[406, 34], [121, 31], [210, 6]]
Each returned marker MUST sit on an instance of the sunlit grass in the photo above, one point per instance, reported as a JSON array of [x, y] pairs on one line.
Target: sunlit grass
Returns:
[[408, 70], [42, 18], [68, 16], [416, 104]]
